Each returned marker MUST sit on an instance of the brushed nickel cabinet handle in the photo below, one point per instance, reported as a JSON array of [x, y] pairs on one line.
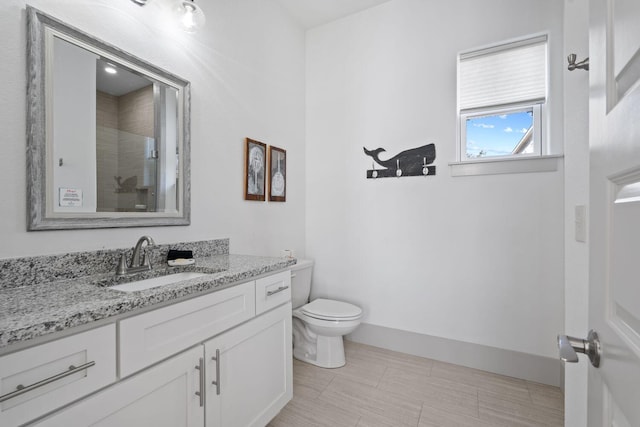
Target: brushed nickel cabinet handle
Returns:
[[280, 289], [200, 394], [20, 389], [217, 381]]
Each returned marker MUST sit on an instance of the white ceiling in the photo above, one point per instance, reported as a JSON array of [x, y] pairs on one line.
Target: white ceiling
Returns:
[[311, 13], [118, 84]]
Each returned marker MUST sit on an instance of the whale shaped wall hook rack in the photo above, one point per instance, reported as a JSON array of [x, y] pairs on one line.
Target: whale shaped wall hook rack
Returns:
[[413, 162]]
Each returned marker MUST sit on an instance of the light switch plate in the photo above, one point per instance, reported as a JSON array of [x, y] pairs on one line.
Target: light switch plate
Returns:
[[581, 223]]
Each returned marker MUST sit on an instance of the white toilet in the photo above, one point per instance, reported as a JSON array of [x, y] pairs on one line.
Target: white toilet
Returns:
[[318, 327]]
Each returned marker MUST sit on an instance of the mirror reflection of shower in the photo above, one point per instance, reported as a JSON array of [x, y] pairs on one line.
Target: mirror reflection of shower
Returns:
[[135, 128], [135, 119]]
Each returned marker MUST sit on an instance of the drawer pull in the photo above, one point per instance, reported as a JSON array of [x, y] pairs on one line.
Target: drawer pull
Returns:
[[280, 289], [20, 389], [217, 381], [200, 394]]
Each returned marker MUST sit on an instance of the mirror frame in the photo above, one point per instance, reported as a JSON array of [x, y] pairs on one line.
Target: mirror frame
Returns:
[[39, 218]]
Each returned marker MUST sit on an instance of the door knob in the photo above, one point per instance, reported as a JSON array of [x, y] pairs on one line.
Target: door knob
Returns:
[[571, 346]]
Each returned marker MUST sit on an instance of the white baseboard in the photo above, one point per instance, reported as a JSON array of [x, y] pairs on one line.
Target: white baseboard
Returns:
[[529, 367]]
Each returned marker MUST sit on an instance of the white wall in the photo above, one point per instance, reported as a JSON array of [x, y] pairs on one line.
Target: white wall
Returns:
[[247, 80], [474, 259], [576, 116]]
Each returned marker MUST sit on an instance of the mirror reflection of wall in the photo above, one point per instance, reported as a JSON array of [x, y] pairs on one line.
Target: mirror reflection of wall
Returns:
[[125, 141], [74, 104], [132, 165]]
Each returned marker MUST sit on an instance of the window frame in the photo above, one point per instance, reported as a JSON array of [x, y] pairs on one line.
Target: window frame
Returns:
[[538, 112], [538, 106]]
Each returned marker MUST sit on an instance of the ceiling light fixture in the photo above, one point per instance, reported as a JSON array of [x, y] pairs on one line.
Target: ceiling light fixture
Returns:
[[191, 16], [110, 69]]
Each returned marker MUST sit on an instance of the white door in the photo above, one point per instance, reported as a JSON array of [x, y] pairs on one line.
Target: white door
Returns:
[[161, 396], [614, 283], [252, 371]]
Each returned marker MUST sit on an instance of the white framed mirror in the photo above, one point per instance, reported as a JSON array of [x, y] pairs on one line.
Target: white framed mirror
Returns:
[[108, 138]]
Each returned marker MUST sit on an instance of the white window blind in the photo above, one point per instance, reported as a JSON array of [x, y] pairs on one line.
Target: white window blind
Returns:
[[502, 75]]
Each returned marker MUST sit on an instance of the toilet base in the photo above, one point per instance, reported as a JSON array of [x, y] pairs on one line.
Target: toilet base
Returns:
[[329, 352], [319, 341]]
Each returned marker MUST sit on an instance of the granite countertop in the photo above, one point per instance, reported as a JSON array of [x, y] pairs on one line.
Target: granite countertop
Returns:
[[35, 310]]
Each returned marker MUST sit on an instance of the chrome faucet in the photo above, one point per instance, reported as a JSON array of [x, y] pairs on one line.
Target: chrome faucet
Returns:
[[136, 265]]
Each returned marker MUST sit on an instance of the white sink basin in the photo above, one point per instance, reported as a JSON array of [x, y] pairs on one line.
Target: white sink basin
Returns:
[[140, 285]]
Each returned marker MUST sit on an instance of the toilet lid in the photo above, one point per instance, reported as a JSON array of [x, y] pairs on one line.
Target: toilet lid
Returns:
[[327, 309]]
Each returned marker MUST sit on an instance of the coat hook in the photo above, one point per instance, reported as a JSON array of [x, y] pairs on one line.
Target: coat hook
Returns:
[[425, 168], [398, 170], [573, 65]]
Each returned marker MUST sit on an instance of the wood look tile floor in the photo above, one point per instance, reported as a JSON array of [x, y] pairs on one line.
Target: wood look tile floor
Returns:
[[378, 387]]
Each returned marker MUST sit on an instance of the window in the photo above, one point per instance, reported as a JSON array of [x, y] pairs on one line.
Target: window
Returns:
[[502, 91]]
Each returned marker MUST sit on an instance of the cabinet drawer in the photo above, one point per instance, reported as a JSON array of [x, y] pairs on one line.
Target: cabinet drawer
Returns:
[[47, 371], [272, 291], [153, 336]]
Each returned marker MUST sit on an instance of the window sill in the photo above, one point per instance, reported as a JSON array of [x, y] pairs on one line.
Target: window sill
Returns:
[[502, 166]]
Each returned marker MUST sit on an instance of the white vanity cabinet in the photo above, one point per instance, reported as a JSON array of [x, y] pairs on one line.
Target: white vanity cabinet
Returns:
[[249, 371], [214, 358]]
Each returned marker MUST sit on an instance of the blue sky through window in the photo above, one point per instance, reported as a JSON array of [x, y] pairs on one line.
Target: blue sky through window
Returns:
[[496, 135]]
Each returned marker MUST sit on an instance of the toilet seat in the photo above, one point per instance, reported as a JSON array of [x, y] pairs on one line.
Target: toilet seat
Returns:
[[326, 309]]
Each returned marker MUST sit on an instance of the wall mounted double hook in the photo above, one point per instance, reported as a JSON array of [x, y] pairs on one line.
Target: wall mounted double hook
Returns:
[[573, 65]]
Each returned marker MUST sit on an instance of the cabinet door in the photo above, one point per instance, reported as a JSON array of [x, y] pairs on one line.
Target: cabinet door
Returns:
[[162, 396], [253, 371]]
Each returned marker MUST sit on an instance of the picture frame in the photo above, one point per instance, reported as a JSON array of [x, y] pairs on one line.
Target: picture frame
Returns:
[[255, 154], [277, 174]]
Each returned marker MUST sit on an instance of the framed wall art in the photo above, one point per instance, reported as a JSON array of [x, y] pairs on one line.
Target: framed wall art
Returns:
[[255, 170], [277, 174]]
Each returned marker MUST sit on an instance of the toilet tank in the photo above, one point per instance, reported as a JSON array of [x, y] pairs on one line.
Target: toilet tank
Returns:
[[301, 282]]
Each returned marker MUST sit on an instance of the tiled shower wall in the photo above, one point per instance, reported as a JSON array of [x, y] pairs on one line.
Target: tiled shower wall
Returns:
[[125, 130]]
